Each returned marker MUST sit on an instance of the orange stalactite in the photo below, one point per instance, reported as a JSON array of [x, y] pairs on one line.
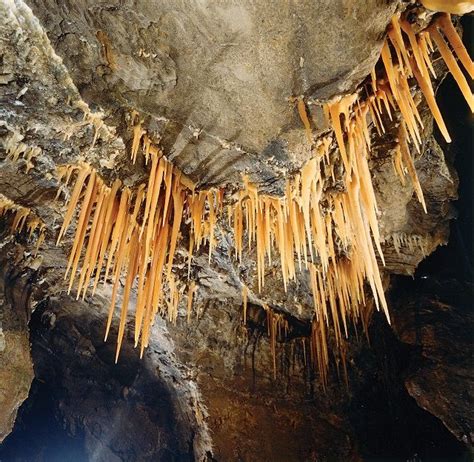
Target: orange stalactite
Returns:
[[115, 286], [122, 215], [109, 219], [20, 219], [445, 24], [133, 258], [150, 191], [90, 258], [341, 106], [406, 27], [168, 178], [83, 172], [173, 301], [23, 216], [408, 162], [178, 214], [396, 38], [399, 91], [373, 81], [319, 350], [135, 232], [416, 61], [275, 323], [213, 209], [190, 252], [452, 65], [137, 134], [82, 224], [398, 164], [425, 52], [121, 226], [427, 89], [244, 303], [382, 96], [375, 115]]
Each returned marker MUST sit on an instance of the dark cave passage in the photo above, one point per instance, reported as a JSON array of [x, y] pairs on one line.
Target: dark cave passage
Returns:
[[84, 407]]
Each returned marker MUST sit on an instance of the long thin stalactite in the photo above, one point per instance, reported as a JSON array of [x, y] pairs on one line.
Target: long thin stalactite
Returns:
[[129, 236]]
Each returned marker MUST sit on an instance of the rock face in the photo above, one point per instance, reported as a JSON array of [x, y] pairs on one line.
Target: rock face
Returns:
[[224, 70], [214, 81], [16, 368], [439, 375], [151, 402]]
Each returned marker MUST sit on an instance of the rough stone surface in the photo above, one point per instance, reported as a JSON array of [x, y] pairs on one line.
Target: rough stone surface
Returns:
[[148, 409], [438, 321], [16, 368], [225, 68]]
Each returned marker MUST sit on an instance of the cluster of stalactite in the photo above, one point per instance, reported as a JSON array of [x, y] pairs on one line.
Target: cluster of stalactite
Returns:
[[408, 242], [330, 234], [124, 232], [22, 218], [334, 236], [16, 149], [405, 55]]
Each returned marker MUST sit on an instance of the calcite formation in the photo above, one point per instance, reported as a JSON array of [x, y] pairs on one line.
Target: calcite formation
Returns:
[[334, 234]]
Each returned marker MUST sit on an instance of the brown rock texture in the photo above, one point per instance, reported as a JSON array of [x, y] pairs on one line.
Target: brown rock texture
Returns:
[[16, 367]]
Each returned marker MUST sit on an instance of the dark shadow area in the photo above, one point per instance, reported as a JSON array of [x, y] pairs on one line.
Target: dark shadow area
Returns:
[[38, 436], [389, 424], [84, 407]]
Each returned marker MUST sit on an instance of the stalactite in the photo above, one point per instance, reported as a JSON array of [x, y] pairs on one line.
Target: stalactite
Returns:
[[398, 165], [304, 118], [108, 233], [276, 323], [23, 217], [410, 242], [16, 149], [332, 236], [452, 64], [244, 303], [138, 132], [318, 349], [192, 288], [445, 24], [408, 161]]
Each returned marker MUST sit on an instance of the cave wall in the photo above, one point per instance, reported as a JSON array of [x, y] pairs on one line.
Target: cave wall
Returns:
[[16, 367]]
